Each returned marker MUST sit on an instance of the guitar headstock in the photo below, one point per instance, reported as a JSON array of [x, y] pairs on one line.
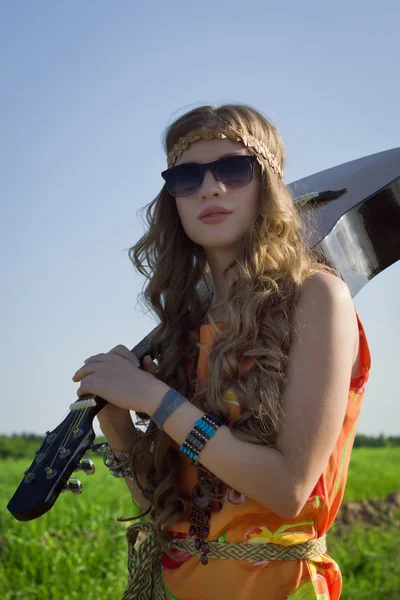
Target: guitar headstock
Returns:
[[57, 458]]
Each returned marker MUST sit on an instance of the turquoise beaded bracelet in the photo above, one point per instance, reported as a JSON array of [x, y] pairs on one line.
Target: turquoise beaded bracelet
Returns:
[[204, 429]]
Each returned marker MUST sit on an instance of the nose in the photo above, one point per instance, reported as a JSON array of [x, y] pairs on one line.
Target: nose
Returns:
[[210, 186]]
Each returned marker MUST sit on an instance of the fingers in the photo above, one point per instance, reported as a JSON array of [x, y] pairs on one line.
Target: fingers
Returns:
[[119, 350], [86, 387], [90, 367], [92, 363], [125, 353], [96, 358], [149, 365]]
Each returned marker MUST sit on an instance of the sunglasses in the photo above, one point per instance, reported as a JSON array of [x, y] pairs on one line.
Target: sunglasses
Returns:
[[231, 171]]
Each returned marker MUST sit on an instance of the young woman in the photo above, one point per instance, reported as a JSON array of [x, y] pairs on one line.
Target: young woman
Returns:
[[253, 406]]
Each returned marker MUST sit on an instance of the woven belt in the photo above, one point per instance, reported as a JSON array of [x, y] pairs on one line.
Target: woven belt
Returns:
[[144, 566]]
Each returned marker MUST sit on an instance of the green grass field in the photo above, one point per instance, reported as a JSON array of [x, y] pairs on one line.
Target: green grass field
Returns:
[[78, 550]]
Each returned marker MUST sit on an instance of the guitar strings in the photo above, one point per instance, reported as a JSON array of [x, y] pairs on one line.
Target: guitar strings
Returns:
[[76, 421], [53, 441], [39, 463], [80, 413]]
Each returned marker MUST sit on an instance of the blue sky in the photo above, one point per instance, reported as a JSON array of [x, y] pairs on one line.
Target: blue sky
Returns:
[[87, 89]]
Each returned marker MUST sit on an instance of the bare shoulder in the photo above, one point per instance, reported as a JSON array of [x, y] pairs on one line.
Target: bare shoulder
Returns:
[[325, 301], [325, 284], [323, 297]]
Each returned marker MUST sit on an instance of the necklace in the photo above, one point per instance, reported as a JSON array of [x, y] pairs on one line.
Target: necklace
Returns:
[[203, 505]]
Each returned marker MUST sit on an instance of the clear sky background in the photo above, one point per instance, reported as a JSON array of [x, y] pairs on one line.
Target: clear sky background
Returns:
[[87, 89]]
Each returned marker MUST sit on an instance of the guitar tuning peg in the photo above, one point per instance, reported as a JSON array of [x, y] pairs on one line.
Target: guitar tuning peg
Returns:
[[97, 447], [74, 486], [86, 465]]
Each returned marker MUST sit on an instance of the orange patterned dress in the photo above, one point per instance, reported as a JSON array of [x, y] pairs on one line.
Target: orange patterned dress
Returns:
[[318, 578]]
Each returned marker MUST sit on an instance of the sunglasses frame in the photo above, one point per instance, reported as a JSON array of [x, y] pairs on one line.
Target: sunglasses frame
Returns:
[[212, 166]]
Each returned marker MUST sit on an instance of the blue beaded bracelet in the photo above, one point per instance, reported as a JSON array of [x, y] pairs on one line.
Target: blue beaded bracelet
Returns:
[[170, 402], [204, 429]]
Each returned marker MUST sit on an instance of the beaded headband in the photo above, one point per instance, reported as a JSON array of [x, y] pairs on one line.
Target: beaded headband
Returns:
[[237, 135]]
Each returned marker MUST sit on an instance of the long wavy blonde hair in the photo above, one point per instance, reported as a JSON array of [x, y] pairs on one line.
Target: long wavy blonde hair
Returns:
[[264, 282]]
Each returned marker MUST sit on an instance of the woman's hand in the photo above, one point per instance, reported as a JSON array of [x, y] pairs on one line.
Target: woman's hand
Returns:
[[116, 377], [111, 414]]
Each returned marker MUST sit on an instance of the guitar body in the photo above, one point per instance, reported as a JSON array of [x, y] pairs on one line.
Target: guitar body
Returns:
[[359, 231], [356, 212]]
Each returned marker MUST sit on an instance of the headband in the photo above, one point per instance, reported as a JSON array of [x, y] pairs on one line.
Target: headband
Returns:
[[237, 135]]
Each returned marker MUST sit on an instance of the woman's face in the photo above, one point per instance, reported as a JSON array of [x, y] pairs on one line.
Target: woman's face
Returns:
[[243, 201]]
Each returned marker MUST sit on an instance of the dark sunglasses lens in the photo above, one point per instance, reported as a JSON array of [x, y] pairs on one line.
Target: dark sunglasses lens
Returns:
[[183, 180], [234, 171]]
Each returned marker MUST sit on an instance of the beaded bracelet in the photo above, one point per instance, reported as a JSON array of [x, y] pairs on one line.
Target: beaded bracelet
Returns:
[[118, 468], [122, 472], [114, 458], [204, 429]]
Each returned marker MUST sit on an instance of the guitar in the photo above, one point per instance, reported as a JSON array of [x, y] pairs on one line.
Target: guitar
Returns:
[[356, 210]]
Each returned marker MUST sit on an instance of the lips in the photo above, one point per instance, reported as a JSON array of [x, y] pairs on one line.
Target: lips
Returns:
[[214, 210]]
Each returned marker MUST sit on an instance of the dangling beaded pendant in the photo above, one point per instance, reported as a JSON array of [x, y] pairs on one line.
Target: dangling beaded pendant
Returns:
[[202, 507], [200, 516]]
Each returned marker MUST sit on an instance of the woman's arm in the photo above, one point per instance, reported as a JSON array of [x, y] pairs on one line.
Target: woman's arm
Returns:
[[120, 436], [314, 402]]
